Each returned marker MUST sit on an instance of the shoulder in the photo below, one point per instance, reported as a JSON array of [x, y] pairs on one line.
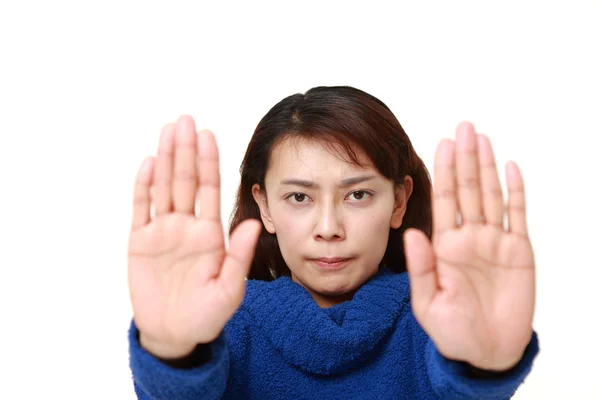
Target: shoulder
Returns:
[[264, 303], [388, 285], [257, 293]]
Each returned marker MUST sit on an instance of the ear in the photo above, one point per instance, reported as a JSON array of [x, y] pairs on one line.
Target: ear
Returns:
[[402, 195], [260, 197]]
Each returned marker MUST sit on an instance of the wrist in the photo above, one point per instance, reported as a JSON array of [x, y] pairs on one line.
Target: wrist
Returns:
[[166, 351], [501, 358], [498, 364]]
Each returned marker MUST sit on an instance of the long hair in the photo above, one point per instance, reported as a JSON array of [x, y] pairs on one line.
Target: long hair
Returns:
[[341, 117]]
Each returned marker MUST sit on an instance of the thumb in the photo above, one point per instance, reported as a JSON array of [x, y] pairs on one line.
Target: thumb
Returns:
[[420, 263], [240, 253]]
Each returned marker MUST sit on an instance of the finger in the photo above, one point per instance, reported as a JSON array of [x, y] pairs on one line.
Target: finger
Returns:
[[163, 171], [185, 176], [467, 174], [209, 183], [141, 196], [239, 257], [517, 219], [493, 203], [420, 264], [444, 191]]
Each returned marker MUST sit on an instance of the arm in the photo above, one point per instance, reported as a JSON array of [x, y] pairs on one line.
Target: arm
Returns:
[[202, 375], [473, 282], [458, 380]]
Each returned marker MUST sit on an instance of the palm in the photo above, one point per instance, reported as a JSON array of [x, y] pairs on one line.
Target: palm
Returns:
[[166, 303], [473, 286], [184, 285]]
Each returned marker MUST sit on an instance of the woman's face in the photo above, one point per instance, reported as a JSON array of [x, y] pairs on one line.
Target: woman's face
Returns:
[[318, 206]]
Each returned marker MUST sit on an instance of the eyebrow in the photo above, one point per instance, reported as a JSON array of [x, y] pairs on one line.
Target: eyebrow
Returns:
[[343, 184]]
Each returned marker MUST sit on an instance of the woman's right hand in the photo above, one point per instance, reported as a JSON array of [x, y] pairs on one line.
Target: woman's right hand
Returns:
[[184, 285]]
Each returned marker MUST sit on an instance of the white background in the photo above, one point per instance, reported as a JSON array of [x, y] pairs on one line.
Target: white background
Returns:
[[86, 87]]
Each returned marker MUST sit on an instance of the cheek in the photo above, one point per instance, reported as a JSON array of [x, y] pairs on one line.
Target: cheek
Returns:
[[290, 228], [291, 237], [373, 228]]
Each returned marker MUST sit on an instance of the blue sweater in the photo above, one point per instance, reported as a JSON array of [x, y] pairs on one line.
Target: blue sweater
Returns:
[[281, 345]]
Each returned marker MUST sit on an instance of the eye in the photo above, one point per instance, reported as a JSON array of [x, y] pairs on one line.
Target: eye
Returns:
[[297, 197], [360, 195]]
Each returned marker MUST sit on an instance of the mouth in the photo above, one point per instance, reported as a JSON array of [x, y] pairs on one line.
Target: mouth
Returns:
[[330, 263], [331, 259]]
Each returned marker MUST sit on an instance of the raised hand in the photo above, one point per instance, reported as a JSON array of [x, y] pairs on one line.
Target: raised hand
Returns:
[[184, 285], [473, 285]]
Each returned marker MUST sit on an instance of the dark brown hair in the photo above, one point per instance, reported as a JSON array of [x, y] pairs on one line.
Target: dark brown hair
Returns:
[[340, 117]]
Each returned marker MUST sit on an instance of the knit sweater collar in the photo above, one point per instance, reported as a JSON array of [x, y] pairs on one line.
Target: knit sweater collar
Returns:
[[330, 340]]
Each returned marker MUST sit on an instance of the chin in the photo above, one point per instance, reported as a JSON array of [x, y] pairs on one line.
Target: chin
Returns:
[[332, 292], [334, 286]]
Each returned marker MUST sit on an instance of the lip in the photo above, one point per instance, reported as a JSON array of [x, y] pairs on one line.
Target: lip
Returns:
[[331, 260], [330, 263]]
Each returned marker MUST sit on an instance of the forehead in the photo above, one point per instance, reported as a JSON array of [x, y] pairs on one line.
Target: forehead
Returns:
[[315, 157]]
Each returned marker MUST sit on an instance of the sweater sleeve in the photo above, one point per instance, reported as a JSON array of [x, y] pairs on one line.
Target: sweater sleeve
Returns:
[[154, 380], [454, 380]]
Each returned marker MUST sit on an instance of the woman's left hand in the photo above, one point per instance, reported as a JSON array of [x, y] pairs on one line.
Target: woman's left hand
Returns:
[[473, 285]]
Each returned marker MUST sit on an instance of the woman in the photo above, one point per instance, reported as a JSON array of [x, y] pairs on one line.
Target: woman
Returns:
[[333, 219]]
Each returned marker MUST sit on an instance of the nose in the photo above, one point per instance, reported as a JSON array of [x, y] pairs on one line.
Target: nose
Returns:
[[329, 224]]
